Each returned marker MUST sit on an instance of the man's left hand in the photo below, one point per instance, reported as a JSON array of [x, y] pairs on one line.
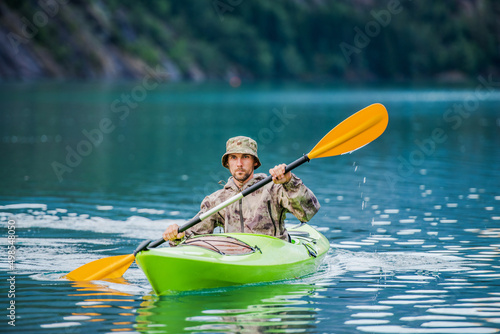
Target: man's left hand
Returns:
[[278, 174]]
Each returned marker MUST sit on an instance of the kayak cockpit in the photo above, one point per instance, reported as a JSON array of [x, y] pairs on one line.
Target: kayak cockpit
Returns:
[[224, 245]]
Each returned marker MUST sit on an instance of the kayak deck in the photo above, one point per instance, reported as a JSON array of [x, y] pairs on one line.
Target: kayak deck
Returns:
[[228, 259]]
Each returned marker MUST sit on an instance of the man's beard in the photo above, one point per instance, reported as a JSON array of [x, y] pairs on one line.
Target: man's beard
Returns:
[[242, 178]]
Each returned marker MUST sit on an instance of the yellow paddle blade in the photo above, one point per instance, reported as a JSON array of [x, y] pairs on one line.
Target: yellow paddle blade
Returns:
[[108, 267], [353, 133]]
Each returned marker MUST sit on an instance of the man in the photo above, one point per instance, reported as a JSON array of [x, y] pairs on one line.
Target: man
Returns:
[[260, 212]]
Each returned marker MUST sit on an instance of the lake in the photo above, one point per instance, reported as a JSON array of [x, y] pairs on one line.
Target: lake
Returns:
[[91, 170]]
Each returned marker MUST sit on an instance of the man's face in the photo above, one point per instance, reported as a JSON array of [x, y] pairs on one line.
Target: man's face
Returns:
[[241, 166]]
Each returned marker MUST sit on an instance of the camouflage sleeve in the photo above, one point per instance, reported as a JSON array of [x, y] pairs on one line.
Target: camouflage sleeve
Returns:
[[206, 226], [298, 199]]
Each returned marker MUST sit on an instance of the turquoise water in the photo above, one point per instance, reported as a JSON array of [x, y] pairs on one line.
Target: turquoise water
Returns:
[[90, 171]]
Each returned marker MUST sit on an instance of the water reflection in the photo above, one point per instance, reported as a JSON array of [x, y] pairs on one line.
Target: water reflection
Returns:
[[250, 309], [99, 303], [423, 285]]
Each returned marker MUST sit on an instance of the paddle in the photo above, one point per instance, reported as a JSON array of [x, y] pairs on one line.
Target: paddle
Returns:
[[353, 133]]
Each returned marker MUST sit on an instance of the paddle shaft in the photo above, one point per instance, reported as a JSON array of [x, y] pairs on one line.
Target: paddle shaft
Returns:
[[255, 187]]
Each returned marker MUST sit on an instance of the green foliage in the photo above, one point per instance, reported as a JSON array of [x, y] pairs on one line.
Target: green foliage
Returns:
[[291, 39], [143, 48]]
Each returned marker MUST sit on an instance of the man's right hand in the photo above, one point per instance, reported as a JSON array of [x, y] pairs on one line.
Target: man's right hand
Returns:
[[172, 233]]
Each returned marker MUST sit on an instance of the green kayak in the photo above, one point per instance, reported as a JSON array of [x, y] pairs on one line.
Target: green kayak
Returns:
[[219, 260]]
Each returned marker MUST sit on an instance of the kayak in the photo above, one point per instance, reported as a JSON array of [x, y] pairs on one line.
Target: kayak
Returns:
[[228, 259]]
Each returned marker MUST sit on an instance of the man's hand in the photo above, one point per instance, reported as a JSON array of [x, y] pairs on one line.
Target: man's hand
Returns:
[[278, 174], [172, 233]]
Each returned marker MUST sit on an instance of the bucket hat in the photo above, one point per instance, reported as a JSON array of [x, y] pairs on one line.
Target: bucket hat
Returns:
[[243, 145]]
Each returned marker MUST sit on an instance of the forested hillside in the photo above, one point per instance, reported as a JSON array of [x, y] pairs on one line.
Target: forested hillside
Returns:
[[201, 40]]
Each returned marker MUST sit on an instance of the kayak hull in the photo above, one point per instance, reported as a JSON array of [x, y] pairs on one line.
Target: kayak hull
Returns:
[[191, 267]]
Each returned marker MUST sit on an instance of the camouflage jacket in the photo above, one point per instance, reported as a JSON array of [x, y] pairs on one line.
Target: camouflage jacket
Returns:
[[261, 212]]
